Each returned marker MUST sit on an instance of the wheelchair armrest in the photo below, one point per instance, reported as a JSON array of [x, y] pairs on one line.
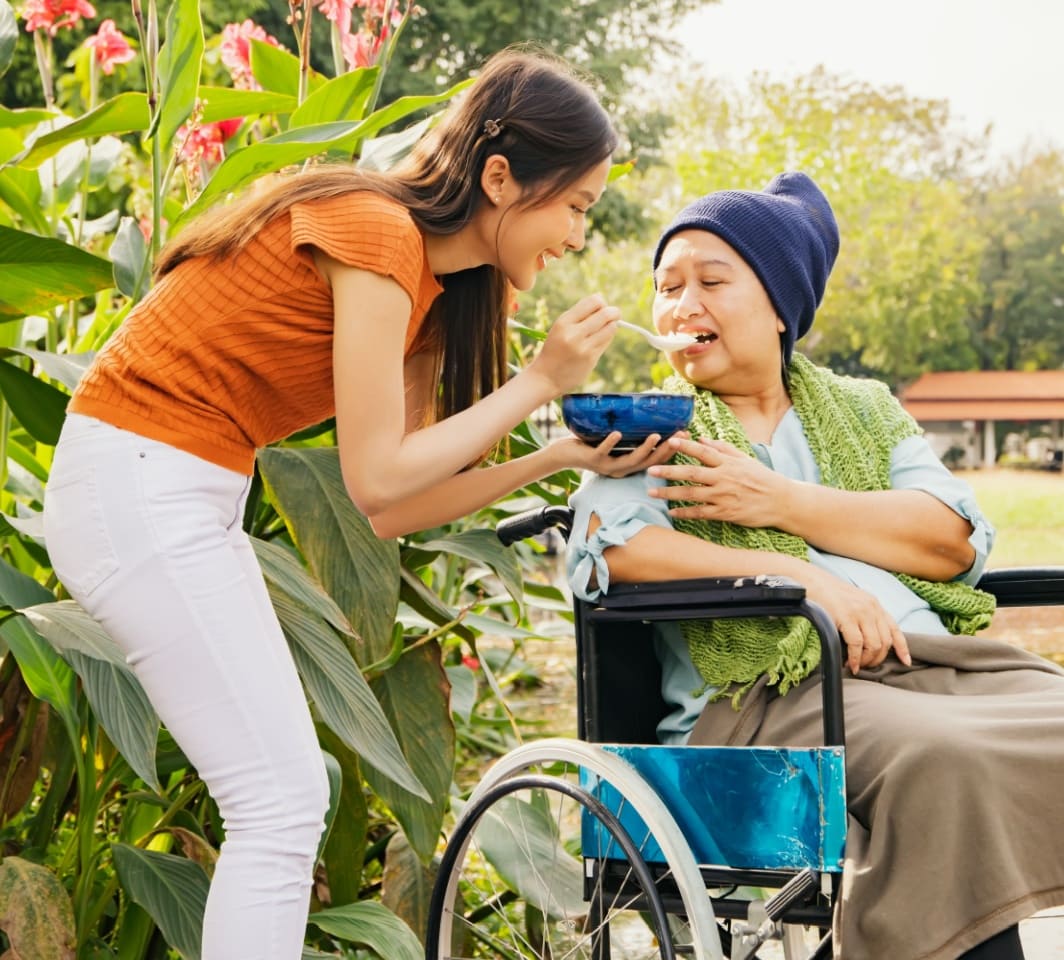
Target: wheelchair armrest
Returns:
[[719, 598], [705, 591], [1025, 586]]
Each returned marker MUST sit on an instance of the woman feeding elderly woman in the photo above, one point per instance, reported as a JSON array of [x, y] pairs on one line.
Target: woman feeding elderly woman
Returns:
[[955, 743]]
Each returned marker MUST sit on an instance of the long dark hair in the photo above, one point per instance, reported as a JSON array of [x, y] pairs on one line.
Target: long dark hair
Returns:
[[552, 131]]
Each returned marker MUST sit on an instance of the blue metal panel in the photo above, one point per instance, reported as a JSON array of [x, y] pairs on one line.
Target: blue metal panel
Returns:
[[751, 807]]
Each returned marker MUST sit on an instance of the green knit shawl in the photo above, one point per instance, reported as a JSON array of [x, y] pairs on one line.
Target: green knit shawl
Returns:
[[852, 426]]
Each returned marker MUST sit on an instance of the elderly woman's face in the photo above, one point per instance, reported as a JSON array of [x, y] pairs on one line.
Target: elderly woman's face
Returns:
[[703, 287]]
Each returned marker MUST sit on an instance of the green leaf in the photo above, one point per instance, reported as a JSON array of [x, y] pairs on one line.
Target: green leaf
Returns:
[[117, 698], [40, 272], [482, 546], [618, 170], [345, 853], [463, 691], [538, 867], [130, 256], [414, 695], [336, 777], [282, 569], [37, 405], [358, 570], [172, 889], [29, 117], [225, 103], [372, 925], [179, 69], [21, 191], [67, 368], [277, 70], [126, 113], [19, 590], [406, 883], [45, 672], [35, 911], [382, 153], [303, 143], [8, 35], [336, 685], [342, 98]]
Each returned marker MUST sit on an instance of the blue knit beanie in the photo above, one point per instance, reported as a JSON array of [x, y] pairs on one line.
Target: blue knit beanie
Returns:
[[786, 233]]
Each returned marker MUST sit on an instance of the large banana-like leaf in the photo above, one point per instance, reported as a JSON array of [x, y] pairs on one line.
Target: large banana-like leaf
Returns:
[[37, 405], [116, 696], [45, 672], [40, 272], [172, 889], [225, 103], [35, 911], [415, 696], [482, 546], [406, 884], [337, 687], [301, 143], [358, 570], [345, 853], [370, 924], [179, 69], [67, 368], [126, 113], [342, 98]]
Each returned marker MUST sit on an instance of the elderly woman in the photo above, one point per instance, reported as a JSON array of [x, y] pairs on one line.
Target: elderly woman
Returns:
[[955, 745]]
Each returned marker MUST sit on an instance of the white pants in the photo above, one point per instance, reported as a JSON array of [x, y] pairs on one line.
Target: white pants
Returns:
[[148, 540]]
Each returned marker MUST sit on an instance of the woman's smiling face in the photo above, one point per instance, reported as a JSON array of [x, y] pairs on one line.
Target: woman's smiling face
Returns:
[[530, 237], [704, 288]]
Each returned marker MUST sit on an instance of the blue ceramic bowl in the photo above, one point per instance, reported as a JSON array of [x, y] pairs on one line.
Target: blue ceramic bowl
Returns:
[[592, 416]]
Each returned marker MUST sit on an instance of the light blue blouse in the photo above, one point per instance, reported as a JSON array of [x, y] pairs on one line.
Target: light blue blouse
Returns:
[[624, 508]]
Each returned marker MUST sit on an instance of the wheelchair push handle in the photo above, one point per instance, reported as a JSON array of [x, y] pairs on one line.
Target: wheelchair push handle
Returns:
[[521, 526]]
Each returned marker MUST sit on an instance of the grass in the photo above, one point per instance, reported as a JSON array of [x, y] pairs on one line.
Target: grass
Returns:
[[1027, 509]]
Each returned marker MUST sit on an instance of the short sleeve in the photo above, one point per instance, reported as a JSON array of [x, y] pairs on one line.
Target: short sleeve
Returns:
[[366, 230], [624, 507], [915, 466]]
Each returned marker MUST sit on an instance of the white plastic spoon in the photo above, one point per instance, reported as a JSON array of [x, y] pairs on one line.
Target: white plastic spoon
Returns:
[[667, 341]]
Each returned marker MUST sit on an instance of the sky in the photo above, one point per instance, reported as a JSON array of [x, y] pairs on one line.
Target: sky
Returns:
[[995, 61]]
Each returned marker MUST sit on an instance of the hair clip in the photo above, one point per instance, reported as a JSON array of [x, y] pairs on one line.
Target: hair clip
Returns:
[[492, 128]]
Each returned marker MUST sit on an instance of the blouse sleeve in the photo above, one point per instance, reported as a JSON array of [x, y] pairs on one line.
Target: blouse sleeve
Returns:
[[623, 508], [365, 230], [915, 466]]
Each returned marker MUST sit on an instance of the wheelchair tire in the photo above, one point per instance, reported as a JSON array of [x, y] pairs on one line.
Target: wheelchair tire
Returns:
[[512, 883]]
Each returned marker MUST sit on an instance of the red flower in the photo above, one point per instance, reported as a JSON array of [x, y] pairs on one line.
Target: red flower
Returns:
[[236, 51], [53, 15], [109, 47], [472, 662]]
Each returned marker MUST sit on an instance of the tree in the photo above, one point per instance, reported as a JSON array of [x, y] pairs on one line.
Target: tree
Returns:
[[1018, 323]]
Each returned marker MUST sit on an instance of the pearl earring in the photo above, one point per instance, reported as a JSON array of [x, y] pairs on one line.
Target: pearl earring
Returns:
[[498, 200]]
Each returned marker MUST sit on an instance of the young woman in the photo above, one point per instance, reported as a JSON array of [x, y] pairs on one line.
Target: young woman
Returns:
[[382, 299], [954, 766]]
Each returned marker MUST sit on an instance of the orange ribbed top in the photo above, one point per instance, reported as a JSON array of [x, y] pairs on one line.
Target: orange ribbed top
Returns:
[[225, 356]]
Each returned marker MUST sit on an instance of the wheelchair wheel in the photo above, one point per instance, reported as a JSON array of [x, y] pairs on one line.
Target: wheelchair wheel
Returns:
[[539, 866]]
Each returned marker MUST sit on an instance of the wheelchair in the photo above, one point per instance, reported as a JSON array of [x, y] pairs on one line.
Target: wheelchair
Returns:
[[613, 846]]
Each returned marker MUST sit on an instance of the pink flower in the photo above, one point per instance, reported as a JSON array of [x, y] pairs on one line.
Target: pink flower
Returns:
[[53, 15], [109, 47], [360, 49], [236, 51], [339, 12], [202, 144]]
